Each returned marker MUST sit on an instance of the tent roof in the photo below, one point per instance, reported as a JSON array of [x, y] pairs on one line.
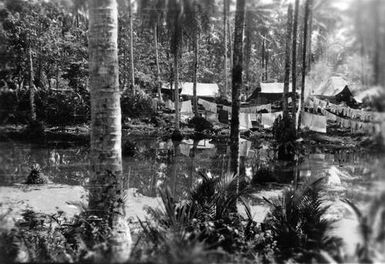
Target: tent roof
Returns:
[[166, 86], [273, 87], [203, 89], [333, 86]]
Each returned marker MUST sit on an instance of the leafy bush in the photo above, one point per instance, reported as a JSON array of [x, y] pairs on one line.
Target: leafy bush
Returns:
[[136, 106], [53, 107], [39, 237], [36, 176], [372, 231], [285, 138], [209, 216], [128, 148], [297, 224], [262, 175], [63, 107], [200, 124]]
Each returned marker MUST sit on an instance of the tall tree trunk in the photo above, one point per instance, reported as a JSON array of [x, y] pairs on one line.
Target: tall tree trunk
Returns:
[[106, 197], [266, 63], [247, 52], [176, 42], [195, 77], [159, 83], [263, 58], [196, 58], [176, 88], [132, 69], [57, 73], [299, 40], [287, 60], [31, 87], [377, 44], [230, 35], [294, 64], [237, 84], [225, 24], [309, 39], [304, 49]]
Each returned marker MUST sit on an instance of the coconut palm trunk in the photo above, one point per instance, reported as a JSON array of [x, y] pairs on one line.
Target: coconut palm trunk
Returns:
[[266, 63], [132, 69], [106, 190], [229, 33], [287, 60], [196, 58], [225, 18], [294, 65], [309, 40], [159, 83], [247, 51], [237, 84], [304, 59], [176, 41], [377, 43], [176, 89], [31, 87]]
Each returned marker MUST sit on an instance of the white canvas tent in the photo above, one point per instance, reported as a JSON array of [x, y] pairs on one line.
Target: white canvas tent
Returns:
[[203, 89], [333, 86]]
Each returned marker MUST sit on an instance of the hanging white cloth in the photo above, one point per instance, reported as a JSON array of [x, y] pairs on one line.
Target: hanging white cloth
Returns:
[[267, 119], [245, 121], [209, 106], [315, 123], [186, 107]]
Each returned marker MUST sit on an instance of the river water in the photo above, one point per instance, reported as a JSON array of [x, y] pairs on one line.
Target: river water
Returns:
[[158, 163], [350, 174]]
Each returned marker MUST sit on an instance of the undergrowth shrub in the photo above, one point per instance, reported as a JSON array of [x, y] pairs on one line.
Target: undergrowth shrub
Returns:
[[136, 106], [53, 107], [209, 216], [285, 138], [129, 148], [36, 176], [298, 225], [200, 124]]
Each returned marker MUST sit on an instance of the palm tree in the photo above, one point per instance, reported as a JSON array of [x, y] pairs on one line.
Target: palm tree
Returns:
[[294, 64], [309, 39], [287, 60], [258, 19], [196, 30], [237, 84], [175, 17], [132, 69], [325, 18], [298, 225], [31, 87], [225, 26], [153, 10], [304, 58], [106, 197], [377, 42], [201, 11]]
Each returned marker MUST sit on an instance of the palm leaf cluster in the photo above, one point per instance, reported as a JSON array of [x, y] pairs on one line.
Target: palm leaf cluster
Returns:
[[372, 231], [298, 225], [208, 216]]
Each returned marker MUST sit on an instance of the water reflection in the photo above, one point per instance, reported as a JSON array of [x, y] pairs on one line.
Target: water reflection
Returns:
[[177, 164], [62, 165]]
